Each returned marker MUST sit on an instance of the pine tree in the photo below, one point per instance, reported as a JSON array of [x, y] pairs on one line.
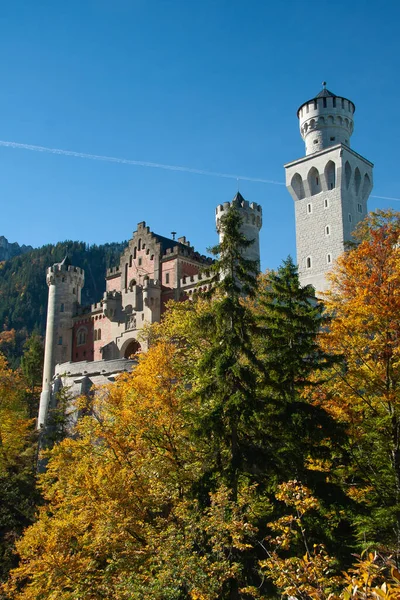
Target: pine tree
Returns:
[[301, 440], [32, 369], [227, 378]]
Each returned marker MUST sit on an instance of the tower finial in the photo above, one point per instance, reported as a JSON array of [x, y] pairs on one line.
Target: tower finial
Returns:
[[324, 85]]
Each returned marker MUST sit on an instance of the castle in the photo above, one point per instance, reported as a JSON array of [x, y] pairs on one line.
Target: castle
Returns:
[[91, 345]]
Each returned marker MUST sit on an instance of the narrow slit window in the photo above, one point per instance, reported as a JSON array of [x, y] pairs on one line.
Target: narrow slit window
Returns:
[[60, 341], [62, 308], [359, 207], [167, 278], [326, 203], [308, 262], [309, 208], [327, 230], [350, 218], [329, 258]]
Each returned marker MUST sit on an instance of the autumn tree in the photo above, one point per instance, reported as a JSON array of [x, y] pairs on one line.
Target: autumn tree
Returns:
[[364, 392], [17, 464]]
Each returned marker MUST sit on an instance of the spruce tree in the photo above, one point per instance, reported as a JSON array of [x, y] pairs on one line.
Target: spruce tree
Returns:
[[227, 378]]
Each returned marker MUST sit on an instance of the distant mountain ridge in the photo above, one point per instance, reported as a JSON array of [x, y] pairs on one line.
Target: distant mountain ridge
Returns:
[[9, 250]]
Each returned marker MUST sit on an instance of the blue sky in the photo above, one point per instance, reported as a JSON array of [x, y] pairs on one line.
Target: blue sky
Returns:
[[211, 85]]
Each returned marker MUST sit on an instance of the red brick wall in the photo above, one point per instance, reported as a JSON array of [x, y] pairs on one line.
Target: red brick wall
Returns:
[[82, 351], [102, 323]]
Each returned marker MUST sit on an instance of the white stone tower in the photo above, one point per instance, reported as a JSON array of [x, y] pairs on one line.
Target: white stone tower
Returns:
[[65, 284], [251, 214], [330, 185]]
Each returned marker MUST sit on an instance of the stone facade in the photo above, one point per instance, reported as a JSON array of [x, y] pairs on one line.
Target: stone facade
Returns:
[[330, 186], [89, 345]]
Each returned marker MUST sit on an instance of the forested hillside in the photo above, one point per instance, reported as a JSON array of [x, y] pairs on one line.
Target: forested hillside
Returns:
[[23, 289]]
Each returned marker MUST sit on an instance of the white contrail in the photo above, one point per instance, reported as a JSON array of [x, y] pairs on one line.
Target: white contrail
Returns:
[[143, 163], [385, 198], [138, 163]]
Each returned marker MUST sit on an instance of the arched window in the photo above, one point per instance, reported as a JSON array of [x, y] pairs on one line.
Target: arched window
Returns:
[[139, 245], [347, 173], [330, 175], [167, 278], [357, 180], [366, 187], [314, 181], [99, 334], [81, 336], [130, 260], [95, 335], [297, 185]]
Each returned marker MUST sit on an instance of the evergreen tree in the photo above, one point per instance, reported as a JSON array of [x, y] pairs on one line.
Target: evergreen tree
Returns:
[[32, 369], [227, 379], [301, 440]]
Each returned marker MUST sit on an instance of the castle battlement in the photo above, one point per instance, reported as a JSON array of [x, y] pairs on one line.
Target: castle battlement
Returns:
[[194, 279]]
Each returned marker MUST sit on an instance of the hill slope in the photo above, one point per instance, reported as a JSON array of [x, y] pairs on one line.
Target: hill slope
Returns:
[[23, 288]]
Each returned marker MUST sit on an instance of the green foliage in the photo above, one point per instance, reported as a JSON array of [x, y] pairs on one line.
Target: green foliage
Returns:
[[23, 289], [227, 379]]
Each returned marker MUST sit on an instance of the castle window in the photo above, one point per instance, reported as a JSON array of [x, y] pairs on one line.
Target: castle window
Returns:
[[326, 203], [309, 208], [308, 262], [366, 187], [130, 260], [62, 308], [333, 138], [139, 245], [315, 105], [314, 182], [95, 335], [81, 336], [167, 278], [347, 171], [140, 261], [334, 102], [328, 259], [315, 141], [298, 187], [60, 341], [324, 101], [359, 208], [73, 290], [342, 102], [350, 218], [99, 334], [330, 174], [357, 180], [327, 230]]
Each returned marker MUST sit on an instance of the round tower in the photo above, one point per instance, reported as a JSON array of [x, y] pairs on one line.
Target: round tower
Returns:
[[65, 283], [326, 120], [251, 214]]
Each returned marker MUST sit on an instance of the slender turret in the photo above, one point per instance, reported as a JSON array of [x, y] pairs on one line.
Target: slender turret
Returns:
[[65, 283], [251, 214], [330, 185]]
